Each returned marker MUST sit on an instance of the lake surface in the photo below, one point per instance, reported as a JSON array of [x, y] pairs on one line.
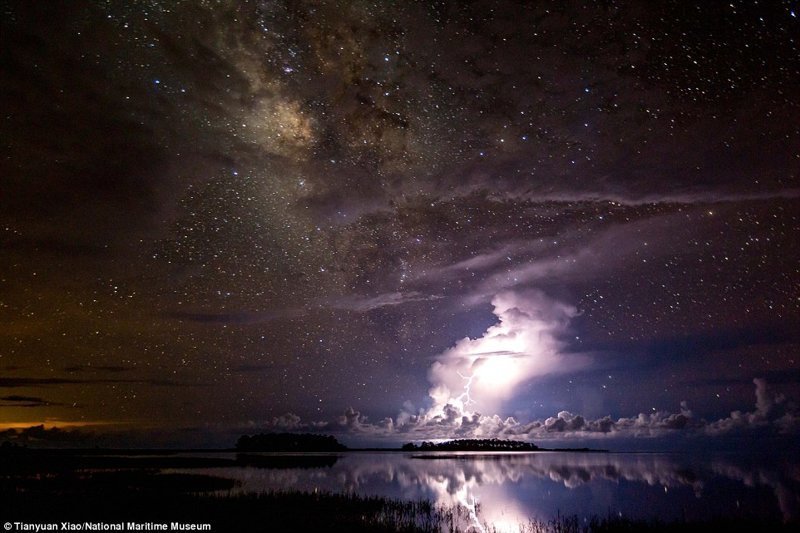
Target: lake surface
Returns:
[[507, 489]]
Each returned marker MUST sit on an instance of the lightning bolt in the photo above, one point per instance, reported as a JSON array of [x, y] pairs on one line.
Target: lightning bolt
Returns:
[[464, 397]]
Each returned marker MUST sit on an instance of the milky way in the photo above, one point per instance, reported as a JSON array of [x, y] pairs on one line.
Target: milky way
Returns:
[[219, 216]]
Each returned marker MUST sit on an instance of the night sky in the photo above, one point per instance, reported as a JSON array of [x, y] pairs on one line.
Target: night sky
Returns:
[[392, 221]]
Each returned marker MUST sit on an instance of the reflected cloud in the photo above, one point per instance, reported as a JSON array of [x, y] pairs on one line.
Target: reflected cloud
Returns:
[[506, 490]]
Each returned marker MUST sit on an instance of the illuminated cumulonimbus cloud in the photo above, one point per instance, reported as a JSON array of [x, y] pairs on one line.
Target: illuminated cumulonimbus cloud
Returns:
[[478, 375]]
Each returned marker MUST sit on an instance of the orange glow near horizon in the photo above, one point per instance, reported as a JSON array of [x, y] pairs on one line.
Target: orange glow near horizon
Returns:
[[55, 423]]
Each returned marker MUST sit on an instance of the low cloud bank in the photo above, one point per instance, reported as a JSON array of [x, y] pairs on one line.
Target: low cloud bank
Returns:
[[773, 414]]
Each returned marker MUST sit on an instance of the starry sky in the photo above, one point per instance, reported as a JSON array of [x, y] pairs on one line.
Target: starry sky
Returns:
[[399, 220]]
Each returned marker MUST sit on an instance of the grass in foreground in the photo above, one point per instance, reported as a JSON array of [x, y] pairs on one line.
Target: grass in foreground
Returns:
[[276, 511], [612, 524], [303, 511]]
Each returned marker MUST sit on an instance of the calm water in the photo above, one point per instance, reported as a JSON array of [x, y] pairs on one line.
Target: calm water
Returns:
[[510, 488]]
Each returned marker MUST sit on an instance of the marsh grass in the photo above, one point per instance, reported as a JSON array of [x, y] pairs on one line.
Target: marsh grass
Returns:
[[617, 524], [308, 511]]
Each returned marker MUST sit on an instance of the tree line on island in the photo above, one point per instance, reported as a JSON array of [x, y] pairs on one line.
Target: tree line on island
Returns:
[[472, 445]]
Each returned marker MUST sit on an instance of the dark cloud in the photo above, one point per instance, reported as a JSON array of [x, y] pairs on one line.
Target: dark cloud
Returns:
[[370, 303], [24, 401], [48, 382], [35, 382]]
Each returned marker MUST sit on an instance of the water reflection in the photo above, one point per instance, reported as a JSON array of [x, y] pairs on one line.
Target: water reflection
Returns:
[[510, 488]]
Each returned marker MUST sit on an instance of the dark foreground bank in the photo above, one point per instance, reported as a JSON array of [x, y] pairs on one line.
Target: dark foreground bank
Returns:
[[296, 511]]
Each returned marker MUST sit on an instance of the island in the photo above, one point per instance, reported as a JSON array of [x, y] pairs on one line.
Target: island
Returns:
[[472, 445], [485, 445]]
